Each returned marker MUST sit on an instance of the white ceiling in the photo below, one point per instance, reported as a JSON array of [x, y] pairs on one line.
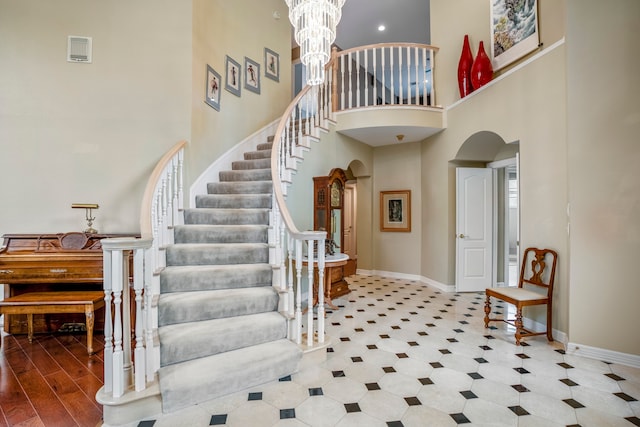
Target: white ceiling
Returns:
[[405, 21]]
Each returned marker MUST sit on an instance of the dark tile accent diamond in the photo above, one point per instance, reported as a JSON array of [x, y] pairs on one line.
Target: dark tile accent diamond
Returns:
[[490, 337], [382, 315], [384, 336], [520, 388], [468, 394], [521, 371], [425, 381], [356, 359], [452, 340], [283, 379], [372, 386], [352, 407], [481, 360], [395, 424], [371, 322], [626, 397], [437, 317], [148, 423], [412, 343], [436, 364], [316, 391], [388, 369], [345, 339], [522, 356], [460, 418], [330, 350], [335, 323], [413, 401], [444, 351], [568, 382], [615, 377], [255, 396], [431, 325], [337, 374], [559, 350], [218, 420], [458, 330], [372, 346], [475, 375], [463, 322], [565, 365], [423, 333], [633, 420], [573, 403], [395, 327], [359, 330], [402, 355], [518, 410], [287, 413], [348, 316], [485, 347]]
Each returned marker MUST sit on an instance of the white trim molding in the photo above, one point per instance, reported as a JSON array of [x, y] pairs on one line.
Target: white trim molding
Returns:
[[403, 276], [603, 354]]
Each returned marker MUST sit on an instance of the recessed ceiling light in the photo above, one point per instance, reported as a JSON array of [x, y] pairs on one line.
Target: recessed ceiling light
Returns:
[[381, 27]]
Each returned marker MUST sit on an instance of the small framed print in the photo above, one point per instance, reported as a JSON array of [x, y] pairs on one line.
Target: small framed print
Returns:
[[233, 76], [395, 210], [212, 91], [251, 75], [271, 64]]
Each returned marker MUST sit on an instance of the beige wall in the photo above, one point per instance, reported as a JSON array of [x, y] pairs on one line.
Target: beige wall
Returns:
[[242, 28], [604, 153], [88, 133]]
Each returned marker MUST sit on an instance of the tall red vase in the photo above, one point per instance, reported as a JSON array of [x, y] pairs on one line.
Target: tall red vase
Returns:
[[464, 69], [481, 70]]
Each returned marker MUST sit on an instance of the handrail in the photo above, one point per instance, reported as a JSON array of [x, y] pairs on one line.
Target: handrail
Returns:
[[146, 230]]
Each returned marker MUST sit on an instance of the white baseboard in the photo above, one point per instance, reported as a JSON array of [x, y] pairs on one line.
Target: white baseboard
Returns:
[[603, 354]]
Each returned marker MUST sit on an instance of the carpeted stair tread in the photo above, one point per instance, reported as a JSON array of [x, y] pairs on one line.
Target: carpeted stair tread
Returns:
[[240, 187], [218, 216], [202, 379], [209, 337], [251, 164], [217, 253], [186, 278], [204, 233], [185, 307], [246, 175], [234, 201], [259, 154]]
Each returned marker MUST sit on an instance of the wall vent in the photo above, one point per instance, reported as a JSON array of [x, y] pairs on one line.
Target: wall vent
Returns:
[[79, 49]]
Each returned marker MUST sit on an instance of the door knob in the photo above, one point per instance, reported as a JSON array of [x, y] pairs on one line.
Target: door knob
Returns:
[[461, 236]]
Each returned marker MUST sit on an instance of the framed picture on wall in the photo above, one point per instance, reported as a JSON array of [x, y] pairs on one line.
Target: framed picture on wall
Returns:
[[212, 89], [395, 210], [233, 76], [271, 64], [251, 75], [514, 30]]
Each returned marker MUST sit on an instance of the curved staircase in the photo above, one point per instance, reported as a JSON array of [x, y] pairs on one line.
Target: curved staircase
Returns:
[[219, 326]]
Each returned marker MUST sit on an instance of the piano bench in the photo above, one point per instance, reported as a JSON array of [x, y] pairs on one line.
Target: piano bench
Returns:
[[53, 302]]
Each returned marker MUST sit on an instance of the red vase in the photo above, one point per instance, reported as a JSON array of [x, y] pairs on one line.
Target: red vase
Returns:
[[481, 70], [464, 69]]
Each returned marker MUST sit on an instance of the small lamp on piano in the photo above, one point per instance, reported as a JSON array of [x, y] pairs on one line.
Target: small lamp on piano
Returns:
[[88, 215]]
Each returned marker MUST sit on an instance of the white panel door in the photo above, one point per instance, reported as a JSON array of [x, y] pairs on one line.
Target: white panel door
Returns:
[[349, 203], [474, 229]]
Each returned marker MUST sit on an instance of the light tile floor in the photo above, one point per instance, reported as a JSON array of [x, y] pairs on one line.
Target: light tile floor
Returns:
[[404, 354]]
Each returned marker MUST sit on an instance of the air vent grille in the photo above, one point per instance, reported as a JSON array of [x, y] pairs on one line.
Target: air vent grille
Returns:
[[79, 49]]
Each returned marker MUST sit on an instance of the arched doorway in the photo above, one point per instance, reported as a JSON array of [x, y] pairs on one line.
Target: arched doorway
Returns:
[[487, 212]]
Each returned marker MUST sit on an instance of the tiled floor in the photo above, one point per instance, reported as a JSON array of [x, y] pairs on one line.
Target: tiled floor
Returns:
[[404, 354]]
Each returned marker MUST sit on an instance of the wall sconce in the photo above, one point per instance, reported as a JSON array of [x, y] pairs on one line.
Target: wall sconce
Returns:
[[400, 137], [87, 207]]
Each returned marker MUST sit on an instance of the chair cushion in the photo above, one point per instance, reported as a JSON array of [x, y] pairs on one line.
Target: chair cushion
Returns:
[[515, 293]]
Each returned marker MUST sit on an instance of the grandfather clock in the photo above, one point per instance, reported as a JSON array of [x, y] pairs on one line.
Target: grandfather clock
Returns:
[[328, 215]]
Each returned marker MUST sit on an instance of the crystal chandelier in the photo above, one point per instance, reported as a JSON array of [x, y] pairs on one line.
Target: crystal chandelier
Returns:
[[314, 24]]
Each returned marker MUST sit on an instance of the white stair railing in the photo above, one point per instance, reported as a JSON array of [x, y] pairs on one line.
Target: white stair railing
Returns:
[[131, 358]]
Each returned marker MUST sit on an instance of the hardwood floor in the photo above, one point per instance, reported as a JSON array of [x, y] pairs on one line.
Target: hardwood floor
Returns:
[[51, 382]]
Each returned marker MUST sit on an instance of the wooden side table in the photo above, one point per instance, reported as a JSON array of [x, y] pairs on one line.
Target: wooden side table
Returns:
[[330, 262]]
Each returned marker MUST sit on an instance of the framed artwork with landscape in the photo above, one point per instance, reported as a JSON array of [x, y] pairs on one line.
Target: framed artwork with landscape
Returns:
[[395, 210], [514, 30]]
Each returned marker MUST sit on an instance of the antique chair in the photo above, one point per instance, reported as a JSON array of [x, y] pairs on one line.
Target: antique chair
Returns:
[[540, 267]]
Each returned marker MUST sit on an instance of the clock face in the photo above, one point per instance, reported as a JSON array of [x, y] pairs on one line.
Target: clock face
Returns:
[[335, 194]]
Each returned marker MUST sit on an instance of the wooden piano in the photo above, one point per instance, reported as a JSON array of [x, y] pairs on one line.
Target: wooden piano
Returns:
[[51, 262]]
